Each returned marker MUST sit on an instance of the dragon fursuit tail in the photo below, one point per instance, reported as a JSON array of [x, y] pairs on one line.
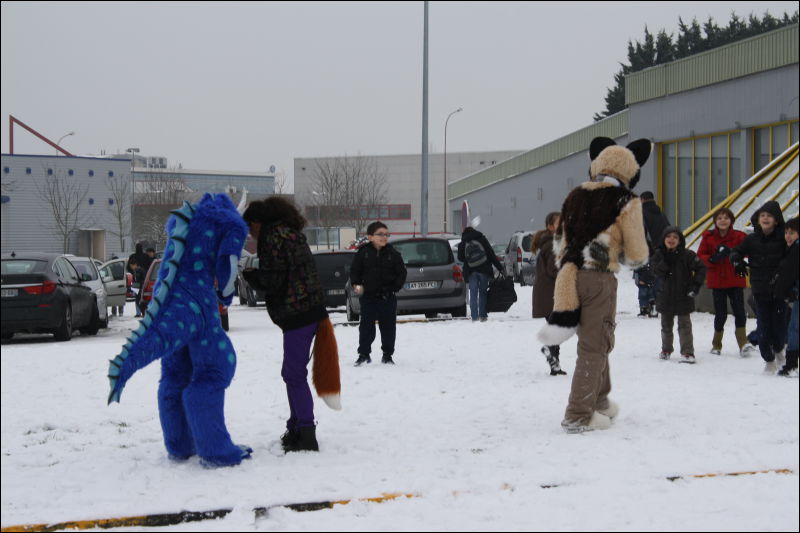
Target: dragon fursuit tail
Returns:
[[563, 321], [325, 372]]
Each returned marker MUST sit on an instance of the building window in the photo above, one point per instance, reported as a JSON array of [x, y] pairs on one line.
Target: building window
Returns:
[[49, 171], [6, 170], [91, 173], [28, 170], [91, 201], [70, 172], [771, 141], [110, 173], [110, 201], [698, 173]]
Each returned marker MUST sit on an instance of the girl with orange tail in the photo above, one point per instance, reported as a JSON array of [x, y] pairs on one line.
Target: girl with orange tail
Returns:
[[296, 304]]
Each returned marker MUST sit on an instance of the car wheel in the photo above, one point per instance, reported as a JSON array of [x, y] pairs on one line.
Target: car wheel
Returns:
[[352, 316], [94, 324], [64, 330], [6, 335], [431, 314]]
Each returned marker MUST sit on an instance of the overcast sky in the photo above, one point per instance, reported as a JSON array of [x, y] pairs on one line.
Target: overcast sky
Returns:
[[243, 86]]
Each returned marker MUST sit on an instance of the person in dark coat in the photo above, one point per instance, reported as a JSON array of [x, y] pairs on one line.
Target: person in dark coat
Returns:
[[682, 274], [544, 284], [377, 274], [288, 276], [135, 266], [715, 250], [786, 288], [478, 257], [655, 222], [764, 249]]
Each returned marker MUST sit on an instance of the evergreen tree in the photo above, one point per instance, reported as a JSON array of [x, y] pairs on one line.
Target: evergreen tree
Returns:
[[692, 39]]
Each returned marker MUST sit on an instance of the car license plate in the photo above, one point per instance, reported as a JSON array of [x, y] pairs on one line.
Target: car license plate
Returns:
[[422, 285], [9, 293], [336, 292]]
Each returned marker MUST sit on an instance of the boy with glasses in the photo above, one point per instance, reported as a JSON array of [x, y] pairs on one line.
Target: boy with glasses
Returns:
[[377, 273]]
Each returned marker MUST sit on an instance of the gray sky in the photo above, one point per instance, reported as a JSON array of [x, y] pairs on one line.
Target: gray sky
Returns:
[[242, 86]]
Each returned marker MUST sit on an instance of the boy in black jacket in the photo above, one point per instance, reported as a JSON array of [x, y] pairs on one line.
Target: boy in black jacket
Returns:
[[786, 288], [682, 274], [377, 273], [765, 248]]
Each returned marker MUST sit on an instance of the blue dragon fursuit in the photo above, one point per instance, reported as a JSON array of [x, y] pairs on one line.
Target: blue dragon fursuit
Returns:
[[182, 327]]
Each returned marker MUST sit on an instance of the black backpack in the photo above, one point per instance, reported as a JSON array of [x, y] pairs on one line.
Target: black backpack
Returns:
[[474, 253]]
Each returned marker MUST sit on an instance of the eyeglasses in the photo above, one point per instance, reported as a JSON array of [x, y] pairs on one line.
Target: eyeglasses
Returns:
[[387, 235]]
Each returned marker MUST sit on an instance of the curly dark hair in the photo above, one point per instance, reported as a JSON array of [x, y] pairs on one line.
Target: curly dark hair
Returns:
[[273, 209]]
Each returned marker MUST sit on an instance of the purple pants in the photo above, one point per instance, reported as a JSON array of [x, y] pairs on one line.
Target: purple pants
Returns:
[[296, 355]]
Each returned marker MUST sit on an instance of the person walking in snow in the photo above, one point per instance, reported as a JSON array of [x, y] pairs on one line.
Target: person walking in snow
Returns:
[[786, 288], [478, 258], [545, 283], [764, 248], [377, 274], [682, 275], [715, 250]]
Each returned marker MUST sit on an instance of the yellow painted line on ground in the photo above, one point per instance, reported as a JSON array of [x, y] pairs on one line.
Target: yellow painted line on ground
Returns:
[[170, 519]]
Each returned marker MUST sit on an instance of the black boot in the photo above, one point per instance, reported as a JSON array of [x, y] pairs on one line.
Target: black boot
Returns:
[[644, 311], [552, 353], [363, 359], [305, 440], [791, 363], [289, 439], [387, 359]]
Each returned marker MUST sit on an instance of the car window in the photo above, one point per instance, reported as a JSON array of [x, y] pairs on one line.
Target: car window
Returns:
[[331, 262], [23, 266], [85, 267], [512, 245], [116, 270], [421, 252], [526, 243], [154, 269], [67, 271]]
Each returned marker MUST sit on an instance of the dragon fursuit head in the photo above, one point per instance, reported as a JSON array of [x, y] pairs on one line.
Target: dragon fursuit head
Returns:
[[601, 225], [182, 327]]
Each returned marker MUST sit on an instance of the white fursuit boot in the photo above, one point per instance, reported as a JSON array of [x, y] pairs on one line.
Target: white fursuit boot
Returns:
[[611, 411], [599, 421]]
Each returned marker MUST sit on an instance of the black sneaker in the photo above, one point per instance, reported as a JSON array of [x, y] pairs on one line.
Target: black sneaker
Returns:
[[644, 312], [387, 360], [363, 359]]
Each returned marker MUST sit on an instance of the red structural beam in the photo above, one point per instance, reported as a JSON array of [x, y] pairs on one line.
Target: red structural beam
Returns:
[[12, 120]]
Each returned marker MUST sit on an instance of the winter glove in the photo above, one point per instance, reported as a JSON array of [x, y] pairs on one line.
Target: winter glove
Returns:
[[721, 253]]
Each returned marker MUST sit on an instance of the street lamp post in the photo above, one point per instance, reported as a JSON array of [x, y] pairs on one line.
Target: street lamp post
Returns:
[[60, 138], [444, 226]]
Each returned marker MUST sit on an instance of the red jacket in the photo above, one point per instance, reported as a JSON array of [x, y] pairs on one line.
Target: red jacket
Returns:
[[720, 274]]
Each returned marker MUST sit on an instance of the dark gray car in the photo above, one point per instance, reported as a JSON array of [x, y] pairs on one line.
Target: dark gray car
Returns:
[[434, 284]]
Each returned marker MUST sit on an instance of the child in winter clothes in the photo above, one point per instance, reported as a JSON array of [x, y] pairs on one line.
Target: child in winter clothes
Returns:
[[714, 251], [765, 248], [786, 288], [682, 274]]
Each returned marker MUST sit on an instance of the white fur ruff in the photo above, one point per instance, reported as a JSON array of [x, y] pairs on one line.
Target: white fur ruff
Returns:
[[599, 421], [611, 411], [551, 335]]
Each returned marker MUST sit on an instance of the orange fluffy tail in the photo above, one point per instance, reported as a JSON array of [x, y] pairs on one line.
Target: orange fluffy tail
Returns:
[[325, 372]]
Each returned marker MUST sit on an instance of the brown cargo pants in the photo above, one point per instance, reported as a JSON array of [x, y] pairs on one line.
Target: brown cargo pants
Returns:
[[591, 382]]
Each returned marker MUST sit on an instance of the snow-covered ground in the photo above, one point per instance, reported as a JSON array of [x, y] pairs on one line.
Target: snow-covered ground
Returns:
[[468, 421]]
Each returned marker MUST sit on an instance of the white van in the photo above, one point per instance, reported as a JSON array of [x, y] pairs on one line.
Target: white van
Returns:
[[90, 276], [518, 259]]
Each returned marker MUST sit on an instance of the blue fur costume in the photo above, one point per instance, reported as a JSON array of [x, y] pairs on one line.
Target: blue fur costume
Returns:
[[182, 327]]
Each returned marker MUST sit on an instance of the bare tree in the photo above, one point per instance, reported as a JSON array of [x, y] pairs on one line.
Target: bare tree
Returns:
[[120, 207], [156, 193], [64, 196], [280, 183], [347, 191]]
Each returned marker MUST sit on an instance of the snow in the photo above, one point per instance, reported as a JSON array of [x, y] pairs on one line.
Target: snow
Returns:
[[467, 422]]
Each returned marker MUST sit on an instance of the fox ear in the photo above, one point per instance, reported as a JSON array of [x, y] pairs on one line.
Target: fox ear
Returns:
[[641, 150], [599, 144]]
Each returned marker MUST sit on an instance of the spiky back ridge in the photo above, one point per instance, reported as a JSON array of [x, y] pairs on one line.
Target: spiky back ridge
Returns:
[[177, 231]]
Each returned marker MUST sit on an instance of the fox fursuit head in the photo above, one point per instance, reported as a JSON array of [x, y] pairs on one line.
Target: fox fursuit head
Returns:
[[601, 225]]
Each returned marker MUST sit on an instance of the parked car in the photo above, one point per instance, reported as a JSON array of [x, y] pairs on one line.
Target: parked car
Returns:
[[334, 271], [43, 293], [435, 282], [150, 282], [90, 275], [500, 252], [518, 255], [248, 295]]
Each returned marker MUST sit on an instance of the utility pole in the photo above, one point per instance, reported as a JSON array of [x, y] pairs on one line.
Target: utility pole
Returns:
[[424, 194]]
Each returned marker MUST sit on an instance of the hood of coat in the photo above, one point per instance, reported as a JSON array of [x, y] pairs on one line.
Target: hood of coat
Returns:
[[773, 208], [470, 234], [673, 229]]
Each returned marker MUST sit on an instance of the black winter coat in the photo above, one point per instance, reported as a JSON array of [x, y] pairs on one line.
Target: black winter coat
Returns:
[[381, 272], [681, 272], [786, 282], [471, 234], [764, 252]]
